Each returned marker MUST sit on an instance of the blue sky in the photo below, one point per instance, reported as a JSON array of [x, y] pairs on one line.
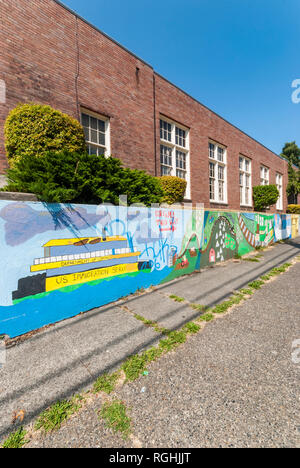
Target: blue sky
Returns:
[[238, 57]]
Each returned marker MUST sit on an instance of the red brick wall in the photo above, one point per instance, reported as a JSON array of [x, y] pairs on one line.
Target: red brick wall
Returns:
[[44, 48], [205, 125], [40, 64]]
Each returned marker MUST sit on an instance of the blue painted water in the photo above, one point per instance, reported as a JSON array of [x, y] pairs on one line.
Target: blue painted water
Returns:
[[31, 314]]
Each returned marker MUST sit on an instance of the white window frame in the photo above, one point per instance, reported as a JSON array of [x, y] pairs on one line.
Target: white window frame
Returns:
[[279, 185], [174, 147], [264, 175], [213, 159], [106, 148], [243, 174]]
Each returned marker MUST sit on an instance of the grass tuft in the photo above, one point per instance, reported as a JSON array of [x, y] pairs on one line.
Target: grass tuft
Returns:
[[106, 383], [175, 338], [257, 284], [191, 328], [176, 298], [115, 417], [152, 323], [247, 292], [200, 307], [206, 317], [265, 278], [134, 366], [52, 418], [16, 439]]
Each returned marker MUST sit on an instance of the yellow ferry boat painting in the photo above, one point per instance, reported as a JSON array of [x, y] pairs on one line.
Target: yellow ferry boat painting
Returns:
[[71, 262]]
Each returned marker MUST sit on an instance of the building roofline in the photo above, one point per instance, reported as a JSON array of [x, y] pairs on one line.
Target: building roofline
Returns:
[[219, 116], [165, 79], [101, 32]]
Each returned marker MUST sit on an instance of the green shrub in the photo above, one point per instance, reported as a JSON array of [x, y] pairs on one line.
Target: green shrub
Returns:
[[33, 129], [294, 209], [174, 189], [65, 177], [264, 196]]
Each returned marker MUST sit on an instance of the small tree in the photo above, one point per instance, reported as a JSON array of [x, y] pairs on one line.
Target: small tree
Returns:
[[34, 129], [293, 186], [291, 152], [264, 196], [174, 189]]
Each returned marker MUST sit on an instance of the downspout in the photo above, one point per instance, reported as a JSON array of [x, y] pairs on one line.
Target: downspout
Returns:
[[154, 116], [77, 69]]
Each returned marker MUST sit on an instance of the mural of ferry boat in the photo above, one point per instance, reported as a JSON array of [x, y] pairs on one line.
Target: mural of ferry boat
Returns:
[[71, 262]]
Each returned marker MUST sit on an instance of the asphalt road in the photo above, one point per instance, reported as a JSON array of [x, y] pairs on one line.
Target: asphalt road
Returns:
[[234, 384]]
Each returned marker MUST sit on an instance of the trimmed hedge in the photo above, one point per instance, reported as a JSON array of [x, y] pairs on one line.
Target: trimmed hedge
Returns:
[[65, 177], [264, 196], [34, 129], [174, 189], [294, 209]]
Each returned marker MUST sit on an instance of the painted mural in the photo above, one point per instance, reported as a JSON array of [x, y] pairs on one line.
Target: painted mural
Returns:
[[295, 225], [60, 260], [282, 226]]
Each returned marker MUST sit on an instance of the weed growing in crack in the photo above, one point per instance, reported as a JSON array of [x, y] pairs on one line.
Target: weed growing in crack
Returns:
[[106, 383], [52, 418], [16, 439], [191, 328], [176, 298], [116, 418], [256, 284]]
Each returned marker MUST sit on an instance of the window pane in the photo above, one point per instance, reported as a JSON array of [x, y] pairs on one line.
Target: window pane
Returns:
[[94, 124], [94, 136], [180, 160], [94, 131], [101, 126], [220, 154], [86, 134], [241, 162], [85, 120], [211, 170], [247, 201], [92, 149], [165, 155], [181, 174], [180, 137], [221, 172], [165, 170], [211, 151], [221, 191], [211, 189], [165, 130], [101, 139]]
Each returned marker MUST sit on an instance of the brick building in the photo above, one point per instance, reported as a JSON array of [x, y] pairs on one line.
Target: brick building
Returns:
[[50, 55]]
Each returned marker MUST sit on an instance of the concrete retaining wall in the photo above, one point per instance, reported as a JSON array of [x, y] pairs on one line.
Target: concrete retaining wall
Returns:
[[60, 260]]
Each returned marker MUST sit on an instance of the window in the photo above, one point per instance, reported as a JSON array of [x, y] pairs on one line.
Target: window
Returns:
[[166, 160], [279, 204], [180, 137], [264, 175], [181, 164], [96, 130], [217, 173], [245, 181], [165, 131], [174, 151]]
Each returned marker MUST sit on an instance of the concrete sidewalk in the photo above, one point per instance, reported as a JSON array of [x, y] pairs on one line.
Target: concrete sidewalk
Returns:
[[69, 356]]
